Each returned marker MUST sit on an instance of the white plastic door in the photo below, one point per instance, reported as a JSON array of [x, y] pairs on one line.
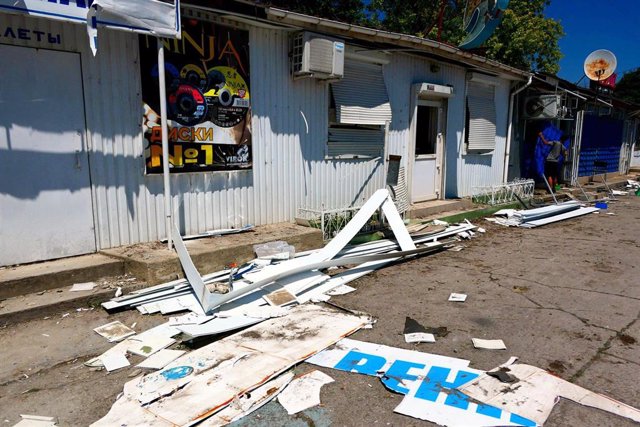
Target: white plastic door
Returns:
[[45, 195], [427, 166]]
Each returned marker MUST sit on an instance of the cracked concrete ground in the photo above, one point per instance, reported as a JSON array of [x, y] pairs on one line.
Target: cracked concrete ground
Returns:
[[563, 297]]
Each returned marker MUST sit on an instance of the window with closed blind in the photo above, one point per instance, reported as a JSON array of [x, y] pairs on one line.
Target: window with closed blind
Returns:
[[359, 110], [481, 117]]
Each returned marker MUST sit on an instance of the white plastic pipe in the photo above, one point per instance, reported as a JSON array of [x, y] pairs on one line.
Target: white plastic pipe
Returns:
[[165, 144], [507, 148]]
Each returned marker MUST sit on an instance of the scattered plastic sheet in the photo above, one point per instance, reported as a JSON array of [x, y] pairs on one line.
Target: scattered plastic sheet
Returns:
[[457, 297], [488, 344], [303, 392], [82, 287]]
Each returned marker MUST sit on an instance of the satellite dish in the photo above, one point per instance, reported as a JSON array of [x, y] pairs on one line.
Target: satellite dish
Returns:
[[600, 64]]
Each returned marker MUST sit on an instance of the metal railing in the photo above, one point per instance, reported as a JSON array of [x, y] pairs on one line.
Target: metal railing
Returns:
[[332, 221], [504, 193]]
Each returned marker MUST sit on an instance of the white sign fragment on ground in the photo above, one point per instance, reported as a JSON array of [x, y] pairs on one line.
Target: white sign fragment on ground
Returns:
[[115, 361], [36, 421], [457, 297], [341, 290], [488, 344], [414, 332], [115, 331], [82, 287], [204, 381], [150, 345], [537, 391], [161, 359], [249, 402], [303, 392]]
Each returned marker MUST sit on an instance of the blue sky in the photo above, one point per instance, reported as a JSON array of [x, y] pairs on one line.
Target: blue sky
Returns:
[[591, 25]]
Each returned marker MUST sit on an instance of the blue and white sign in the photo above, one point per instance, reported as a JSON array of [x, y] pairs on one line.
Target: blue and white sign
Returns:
[[429, 382], [157, 17]]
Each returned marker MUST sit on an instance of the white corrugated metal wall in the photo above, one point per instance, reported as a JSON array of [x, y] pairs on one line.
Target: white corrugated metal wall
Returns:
[[290, 169], [462, 171]]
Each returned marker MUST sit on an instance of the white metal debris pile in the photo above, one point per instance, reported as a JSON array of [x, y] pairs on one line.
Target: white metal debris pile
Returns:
[[261, 289], [541, 216], [205, 381]]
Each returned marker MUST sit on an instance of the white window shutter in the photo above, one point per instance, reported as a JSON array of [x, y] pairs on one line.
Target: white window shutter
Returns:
[[482, 117], [349, 143], [361, 95]]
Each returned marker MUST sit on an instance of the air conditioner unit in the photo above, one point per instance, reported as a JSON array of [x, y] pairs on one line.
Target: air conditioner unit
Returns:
[[318, 56], [542, 106]]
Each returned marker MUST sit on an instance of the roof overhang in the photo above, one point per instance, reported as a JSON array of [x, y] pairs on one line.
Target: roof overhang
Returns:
[[407, 42]]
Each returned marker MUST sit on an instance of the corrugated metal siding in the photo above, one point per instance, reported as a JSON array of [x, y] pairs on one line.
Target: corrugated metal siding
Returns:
[[290, 169], [462, 171], [289, 124]]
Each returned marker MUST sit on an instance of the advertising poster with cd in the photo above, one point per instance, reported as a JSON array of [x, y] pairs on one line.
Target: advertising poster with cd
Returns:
[[208, 99]]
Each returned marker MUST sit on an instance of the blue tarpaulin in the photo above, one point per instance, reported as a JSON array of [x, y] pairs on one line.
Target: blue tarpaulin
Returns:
[[551, 133]]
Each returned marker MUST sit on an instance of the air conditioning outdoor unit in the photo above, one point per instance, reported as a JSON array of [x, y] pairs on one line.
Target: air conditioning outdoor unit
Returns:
[[542, 106], [318, 56]]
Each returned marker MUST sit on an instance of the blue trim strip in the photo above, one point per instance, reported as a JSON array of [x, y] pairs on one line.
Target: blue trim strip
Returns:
[[39, 12]]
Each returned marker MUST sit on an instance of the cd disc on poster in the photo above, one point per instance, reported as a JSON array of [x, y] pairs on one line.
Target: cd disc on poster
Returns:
[[187, 105], [193, 75], [228, 96]]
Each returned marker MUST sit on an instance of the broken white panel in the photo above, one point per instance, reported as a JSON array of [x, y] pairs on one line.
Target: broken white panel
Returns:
[[219, 325], [247, 403], [160, 359], [36, 421], [204, 381], [164, 329], [82, 287], [561, 217], [149, 345], [216, 300], [488, 344], [115, 331], [537, 391], [418, 337], [303, 392], [193, 277], [190, 319], [454, 409], [115, 361], [257, 312], [457, 297], [341, 290]]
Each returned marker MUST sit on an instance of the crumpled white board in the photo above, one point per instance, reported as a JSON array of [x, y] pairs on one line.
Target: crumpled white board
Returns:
[[36, 421], [204, 381], [249, 402], [537, 391], [428, 380], [303, 392]]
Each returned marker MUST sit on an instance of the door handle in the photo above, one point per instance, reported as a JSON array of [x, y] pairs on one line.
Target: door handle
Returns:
[[78, 163]]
